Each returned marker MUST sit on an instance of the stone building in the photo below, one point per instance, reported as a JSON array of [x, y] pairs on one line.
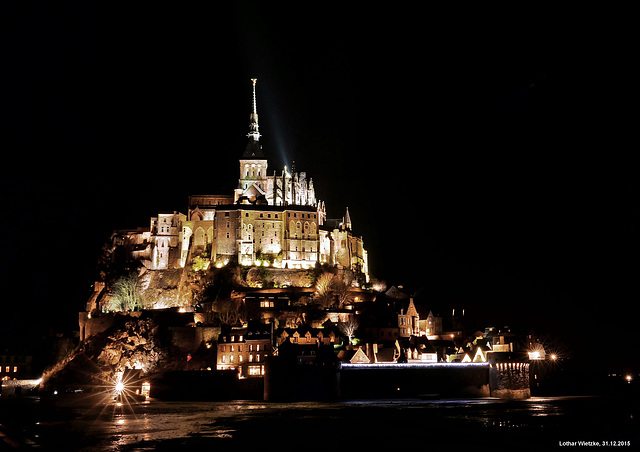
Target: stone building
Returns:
[[270, 218], [245, 350]]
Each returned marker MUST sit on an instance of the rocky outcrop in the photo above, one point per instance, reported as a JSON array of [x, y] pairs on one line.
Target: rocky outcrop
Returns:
[[132, 347]]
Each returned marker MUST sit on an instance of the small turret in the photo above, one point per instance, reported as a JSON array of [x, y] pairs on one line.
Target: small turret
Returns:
[[347, 220]]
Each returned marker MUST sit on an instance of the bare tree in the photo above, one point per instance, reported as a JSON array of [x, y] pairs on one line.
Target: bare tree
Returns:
[[127, 295], [231, 312], [323, 289], [340, 288], [349, 327]]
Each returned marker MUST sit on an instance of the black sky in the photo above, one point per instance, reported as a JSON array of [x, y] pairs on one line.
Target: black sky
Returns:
[[498, 139]]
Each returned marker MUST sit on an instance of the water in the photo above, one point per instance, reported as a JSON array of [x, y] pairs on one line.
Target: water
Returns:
[[481, 424]]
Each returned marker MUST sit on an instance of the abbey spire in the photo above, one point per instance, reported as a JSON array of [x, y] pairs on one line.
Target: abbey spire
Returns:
[[254, 148], [253, 126]]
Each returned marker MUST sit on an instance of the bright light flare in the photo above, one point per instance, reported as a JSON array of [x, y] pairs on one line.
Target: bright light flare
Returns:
[[119, 387]]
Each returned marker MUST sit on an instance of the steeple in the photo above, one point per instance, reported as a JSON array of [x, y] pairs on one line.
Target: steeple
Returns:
[[253, 149], [253, 126]]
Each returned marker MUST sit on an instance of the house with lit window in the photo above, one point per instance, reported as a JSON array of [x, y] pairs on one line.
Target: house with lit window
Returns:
[[245, 350], [359, 357], [16, 366], [419, 350], [430, 324], [409, 320]]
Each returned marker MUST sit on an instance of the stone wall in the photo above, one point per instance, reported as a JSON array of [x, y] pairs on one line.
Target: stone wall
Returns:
[[510, 380], [407, 380]]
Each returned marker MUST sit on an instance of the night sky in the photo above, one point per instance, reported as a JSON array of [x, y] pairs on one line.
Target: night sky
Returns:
[[484, 151]]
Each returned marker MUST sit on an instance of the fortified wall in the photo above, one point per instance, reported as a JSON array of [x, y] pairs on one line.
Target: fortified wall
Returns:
[[415, 380], [396, 380]]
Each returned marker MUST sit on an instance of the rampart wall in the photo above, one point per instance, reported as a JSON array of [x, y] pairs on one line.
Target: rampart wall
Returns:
[[415, 380]]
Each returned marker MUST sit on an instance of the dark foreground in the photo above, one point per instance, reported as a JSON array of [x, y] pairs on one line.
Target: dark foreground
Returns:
[[477, 424]]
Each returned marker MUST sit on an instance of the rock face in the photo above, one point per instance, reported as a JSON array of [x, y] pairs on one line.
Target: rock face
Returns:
[[132, 347], [130, 342]]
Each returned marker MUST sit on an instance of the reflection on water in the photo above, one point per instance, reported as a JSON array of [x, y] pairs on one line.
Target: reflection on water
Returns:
[[479, 423]]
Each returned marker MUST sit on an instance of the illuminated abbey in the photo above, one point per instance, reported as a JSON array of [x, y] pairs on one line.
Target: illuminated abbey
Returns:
[[270, 219]]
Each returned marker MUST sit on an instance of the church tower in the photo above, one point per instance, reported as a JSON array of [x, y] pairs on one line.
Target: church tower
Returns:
[[253, 182]]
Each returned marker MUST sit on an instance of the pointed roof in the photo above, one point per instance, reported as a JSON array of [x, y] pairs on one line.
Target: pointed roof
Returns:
[[347, 220], [395, 292], [253, 150]]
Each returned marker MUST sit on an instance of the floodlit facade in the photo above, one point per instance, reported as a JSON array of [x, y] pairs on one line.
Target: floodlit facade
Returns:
[[270, 219]]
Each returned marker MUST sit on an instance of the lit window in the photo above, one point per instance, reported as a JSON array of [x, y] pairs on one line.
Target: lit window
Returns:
[[6, 369], [15, 368]]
